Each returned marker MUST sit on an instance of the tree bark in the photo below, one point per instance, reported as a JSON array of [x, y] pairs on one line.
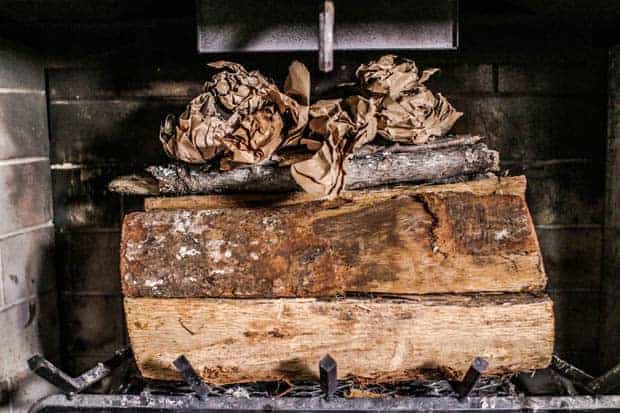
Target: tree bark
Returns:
[[234, 341], [446, 159], [466, 237]]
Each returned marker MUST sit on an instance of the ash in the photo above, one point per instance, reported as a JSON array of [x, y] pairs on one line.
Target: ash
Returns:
[[486, 386]]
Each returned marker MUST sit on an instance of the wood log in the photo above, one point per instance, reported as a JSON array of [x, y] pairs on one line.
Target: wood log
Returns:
[[234, 341], [437, 162], [485, 185], [466, 237]]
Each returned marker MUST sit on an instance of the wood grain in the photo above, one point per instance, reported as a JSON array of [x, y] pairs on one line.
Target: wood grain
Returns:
[[467, 237], [233, 341], [514, 185]]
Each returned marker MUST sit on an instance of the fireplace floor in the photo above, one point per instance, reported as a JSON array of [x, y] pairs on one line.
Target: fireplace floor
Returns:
[[559, 388], [160, 403]]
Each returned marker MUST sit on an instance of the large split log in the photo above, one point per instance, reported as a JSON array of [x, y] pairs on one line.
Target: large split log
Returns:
[[233, 341], [466, 237], [434, 162]]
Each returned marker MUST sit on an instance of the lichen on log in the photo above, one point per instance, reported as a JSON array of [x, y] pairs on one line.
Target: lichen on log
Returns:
[[435, 162], [467, 237]]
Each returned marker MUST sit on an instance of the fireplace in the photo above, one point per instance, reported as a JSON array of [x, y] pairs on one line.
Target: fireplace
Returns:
[[83, 89]]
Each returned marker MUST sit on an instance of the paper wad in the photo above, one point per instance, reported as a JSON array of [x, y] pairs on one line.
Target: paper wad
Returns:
[[240, 115]]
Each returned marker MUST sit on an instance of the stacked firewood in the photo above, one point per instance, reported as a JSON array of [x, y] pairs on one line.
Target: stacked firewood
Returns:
[[254, 280], [243, 134]]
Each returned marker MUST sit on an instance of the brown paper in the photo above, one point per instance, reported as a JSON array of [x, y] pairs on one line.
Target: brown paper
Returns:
[[416, 118], [390, 75], [256, 138], [295, 100], [241, 115], [244, 118], [238, 90], [323, 174], [407, 111], [198, 134], [343, 126]]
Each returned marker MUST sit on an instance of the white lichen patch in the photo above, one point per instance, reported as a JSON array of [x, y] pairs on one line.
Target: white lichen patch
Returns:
[[214, 249], [191, 222], [186, 252], [254, 256], [502, 234], [133, 250], [222, 271], [204, 213], [182, 222], [153, 283]]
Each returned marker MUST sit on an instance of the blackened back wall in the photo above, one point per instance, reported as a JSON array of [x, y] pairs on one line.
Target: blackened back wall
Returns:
[[535, 87]]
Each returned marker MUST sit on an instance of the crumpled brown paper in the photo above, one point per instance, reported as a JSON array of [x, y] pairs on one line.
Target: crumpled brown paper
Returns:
[[256, 138], [240, 115], [243, 118], [197, 134], [400, 108], [339, 126], [390, 75], [407, 110]]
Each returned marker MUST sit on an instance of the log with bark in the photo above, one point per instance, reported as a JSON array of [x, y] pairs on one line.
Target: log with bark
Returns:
[[374, 166], [466, 237], [378, 340], [416, 250]]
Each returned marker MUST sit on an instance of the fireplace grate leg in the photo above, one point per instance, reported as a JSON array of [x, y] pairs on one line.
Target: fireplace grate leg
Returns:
[[192, 378], [48, 371], [464, 387], [328, 370]]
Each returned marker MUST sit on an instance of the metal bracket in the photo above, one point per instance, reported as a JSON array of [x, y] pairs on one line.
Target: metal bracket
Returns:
[[272, 25], [328, 372], [192, 378], [589, 384], [577, 377], [569, 371], [48, 371], [606, 382], [464, 387], [326, 37]]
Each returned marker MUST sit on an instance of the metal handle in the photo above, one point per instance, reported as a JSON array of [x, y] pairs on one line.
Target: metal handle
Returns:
[[326, 36]]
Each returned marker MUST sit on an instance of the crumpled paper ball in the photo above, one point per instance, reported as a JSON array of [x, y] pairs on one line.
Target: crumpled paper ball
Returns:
[[340, 126], [239, 116], [242, 118], [407, 111]]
